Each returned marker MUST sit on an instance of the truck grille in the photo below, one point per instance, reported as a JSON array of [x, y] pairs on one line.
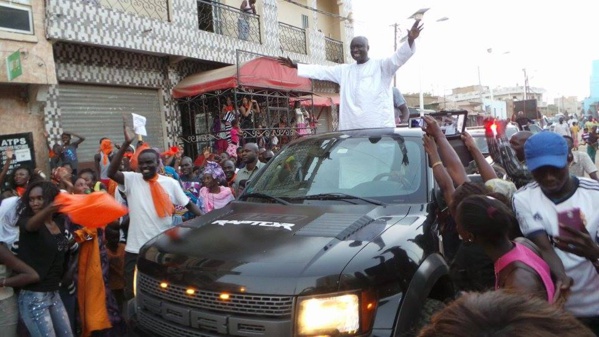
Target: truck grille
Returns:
[[271, 306]]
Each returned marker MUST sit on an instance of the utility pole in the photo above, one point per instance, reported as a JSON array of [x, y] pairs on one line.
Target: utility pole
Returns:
[[525, 84]]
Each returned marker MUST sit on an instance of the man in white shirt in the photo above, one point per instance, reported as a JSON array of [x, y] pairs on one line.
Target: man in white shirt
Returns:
[[537, 206], [562, 128], [366, 98], [580, 163], [150, 210]]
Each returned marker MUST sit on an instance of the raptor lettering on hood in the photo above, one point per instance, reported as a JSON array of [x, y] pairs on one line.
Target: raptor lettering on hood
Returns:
[[285, 225]]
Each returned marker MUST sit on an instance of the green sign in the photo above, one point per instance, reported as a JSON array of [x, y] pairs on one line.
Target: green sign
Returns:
[[13, 65]]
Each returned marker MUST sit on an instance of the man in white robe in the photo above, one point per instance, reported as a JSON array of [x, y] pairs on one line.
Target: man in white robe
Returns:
[[366, 98]]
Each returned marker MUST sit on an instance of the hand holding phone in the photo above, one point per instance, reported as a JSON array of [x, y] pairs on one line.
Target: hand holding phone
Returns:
[[570, 218], [418, 122]]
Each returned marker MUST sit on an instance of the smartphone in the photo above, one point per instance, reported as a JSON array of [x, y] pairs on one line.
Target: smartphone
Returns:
[[570, 218], [418, 122]]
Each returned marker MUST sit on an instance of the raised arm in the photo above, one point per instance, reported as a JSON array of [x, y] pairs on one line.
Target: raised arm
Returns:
[[450, 158], [441, 175], [6, 166], [79, 140], [40, 218], [486, 170], [115, 163]]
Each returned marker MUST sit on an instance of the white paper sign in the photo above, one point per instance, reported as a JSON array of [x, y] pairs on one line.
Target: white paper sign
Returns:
[[23, 155], [139, 124]]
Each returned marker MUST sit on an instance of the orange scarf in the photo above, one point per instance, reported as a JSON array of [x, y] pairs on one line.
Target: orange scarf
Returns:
[[106, 148], [91, 293], [162, 202], [20, 191]]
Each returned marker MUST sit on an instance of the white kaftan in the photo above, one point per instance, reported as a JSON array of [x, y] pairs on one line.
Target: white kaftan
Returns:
[[366, 98]]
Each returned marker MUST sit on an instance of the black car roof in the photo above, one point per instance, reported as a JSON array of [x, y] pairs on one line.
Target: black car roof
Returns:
[[402, 131]]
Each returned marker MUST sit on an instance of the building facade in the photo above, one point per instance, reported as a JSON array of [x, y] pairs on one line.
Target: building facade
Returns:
[[26, 75], [116, 57]]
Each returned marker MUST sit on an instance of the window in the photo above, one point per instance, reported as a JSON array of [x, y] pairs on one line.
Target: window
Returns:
[[305, 22], [16, 17]]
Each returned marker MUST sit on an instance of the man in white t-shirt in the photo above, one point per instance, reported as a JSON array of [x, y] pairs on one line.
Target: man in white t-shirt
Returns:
[[537, 206], [147, 217], [580, 163], [365, 86]]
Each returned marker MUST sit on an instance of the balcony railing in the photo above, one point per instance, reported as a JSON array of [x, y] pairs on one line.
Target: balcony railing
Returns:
[[333, 50], [155, 9], [229, 21], [292, 39]]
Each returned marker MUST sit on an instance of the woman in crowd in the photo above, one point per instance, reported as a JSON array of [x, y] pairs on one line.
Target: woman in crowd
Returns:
[[486, 221], [20, 179], [43, 245], [213, 194]]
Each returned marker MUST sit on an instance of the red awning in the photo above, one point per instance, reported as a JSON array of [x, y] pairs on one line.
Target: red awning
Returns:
[[320, 99], [262, 72]]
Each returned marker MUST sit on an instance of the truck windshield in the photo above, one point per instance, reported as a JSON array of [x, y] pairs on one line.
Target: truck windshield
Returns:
[[389, 169]]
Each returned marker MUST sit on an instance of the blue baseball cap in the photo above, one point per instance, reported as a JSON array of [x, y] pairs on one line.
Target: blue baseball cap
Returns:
[[546, 148]]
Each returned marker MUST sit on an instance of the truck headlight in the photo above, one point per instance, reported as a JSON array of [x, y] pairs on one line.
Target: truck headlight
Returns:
[[348, 314]]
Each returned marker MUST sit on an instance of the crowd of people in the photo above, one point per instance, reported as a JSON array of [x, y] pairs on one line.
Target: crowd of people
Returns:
[[533, 233], [60, 278]]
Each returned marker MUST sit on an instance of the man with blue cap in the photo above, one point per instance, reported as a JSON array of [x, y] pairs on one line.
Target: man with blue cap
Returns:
[[537, 206]]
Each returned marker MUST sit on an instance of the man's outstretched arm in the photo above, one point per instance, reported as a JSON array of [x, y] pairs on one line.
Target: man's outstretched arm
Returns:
[[313, 71]]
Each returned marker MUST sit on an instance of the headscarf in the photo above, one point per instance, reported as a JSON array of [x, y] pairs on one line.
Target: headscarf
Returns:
[[106, 148], [133, 162], [215, 171]]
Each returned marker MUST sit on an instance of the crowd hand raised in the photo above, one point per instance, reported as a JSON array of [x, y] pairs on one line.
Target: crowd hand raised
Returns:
[[9, 152], [430, 146], [468, 140], [432, 128]]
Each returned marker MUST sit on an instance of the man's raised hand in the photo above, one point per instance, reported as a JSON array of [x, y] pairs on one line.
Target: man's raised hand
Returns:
[[414, 32], [129, 134], [287, 62]]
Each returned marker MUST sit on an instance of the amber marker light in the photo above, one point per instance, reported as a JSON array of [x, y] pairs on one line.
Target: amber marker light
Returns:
[[190, 291], [163, 285], [224, 296]]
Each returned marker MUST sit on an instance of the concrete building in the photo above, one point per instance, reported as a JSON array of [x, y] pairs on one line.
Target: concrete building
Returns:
[[482, 99], [26, 74], [120, 56], [568, 105]]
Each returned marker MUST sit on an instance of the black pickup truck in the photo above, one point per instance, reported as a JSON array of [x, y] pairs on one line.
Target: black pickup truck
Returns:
[[336, 236]]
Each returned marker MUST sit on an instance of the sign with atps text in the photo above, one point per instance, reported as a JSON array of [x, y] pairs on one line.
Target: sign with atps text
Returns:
[[13, 65], [22, 147]]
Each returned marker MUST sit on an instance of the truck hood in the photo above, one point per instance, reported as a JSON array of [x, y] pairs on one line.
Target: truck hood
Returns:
[[267, 248]]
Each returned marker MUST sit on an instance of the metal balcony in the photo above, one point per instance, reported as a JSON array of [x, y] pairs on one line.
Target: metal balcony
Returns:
[[155, 9], [229, 21], [292, 39], [333, 50]]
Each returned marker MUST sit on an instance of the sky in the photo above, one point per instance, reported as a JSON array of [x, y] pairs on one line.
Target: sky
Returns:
[[555, 41]]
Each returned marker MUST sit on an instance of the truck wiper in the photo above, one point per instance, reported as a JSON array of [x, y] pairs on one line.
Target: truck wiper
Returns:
[[264, 196], [340, 196]]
